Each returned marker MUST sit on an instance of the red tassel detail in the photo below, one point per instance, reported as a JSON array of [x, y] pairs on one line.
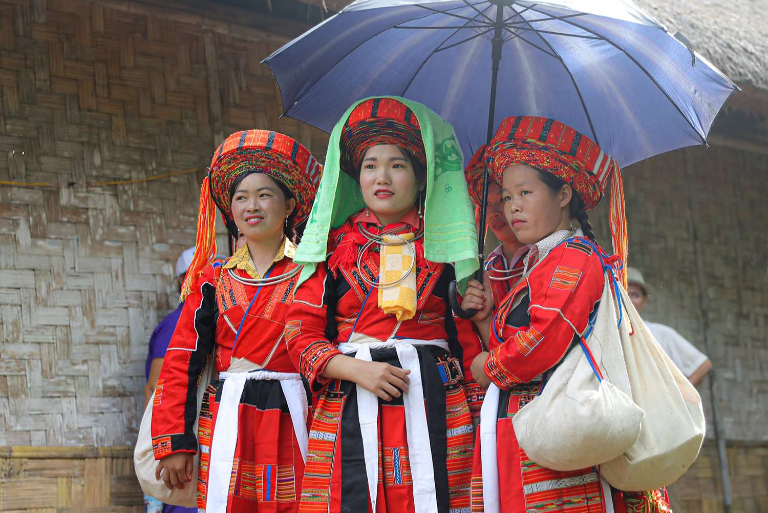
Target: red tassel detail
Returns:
[[618, 222], [205, 244]]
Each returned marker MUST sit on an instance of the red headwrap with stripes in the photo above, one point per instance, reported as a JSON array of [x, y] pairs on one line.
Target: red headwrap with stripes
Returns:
[[251, 151], [554, 147]]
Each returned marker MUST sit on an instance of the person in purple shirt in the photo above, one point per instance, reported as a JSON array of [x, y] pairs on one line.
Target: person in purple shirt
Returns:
[[158, 345]]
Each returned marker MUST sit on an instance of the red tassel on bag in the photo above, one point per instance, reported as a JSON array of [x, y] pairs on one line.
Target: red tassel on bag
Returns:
[[618, 222], [205, 244]]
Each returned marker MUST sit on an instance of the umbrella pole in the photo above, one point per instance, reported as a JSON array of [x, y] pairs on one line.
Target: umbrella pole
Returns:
[[497, 44]]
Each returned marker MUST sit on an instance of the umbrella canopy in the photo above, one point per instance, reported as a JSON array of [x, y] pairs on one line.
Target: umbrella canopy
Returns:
[[601, 66]]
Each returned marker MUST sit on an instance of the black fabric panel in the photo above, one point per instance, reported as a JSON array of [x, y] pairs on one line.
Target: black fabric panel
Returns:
[[263, 394], [330, 300], [354, 495], [354, 480], [206, 317], [519, 315], [434, 393]]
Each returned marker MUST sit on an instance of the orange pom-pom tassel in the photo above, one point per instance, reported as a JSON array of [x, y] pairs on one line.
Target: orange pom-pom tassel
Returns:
[[205, 244], [618, 222]]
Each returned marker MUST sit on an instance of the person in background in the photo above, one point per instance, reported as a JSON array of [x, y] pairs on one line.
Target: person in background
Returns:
[[692, 362], [503, 266], [158, 345], [161, 337]]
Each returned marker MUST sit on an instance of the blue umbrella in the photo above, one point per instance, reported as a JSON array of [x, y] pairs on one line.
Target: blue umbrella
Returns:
[[601, 66]]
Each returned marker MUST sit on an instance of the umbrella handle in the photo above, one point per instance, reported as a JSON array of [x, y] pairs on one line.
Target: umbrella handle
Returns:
[[453, 299]]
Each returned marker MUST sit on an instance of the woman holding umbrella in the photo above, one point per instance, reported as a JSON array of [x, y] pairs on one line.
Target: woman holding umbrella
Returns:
[[371, 329], [503, 267], [550, 176], [252, 433]]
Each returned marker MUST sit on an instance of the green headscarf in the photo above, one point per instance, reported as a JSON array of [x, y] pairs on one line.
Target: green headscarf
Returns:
[[449, 222]]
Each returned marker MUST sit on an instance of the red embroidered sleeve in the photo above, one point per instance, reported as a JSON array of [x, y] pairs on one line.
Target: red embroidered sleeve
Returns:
[[305, 328], [174, 409], [563, 290]]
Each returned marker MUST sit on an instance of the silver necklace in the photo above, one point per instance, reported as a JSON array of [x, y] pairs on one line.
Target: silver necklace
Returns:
[[373, 239], [272, 280]]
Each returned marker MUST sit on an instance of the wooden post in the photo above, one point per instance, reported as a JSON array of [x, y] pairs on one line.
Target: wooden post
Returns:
[[214, 91]]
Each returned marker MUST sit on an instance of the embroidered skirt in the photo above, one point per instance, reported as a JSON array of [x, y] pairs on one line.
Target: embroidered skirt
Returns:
[[524, 486], [335, 479], [268, 466]]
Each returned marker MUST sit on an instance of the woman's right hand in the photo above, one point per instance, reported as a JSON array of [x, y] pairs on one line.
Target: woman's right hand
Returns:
[[175, 470], [383, 379], [475, 298]]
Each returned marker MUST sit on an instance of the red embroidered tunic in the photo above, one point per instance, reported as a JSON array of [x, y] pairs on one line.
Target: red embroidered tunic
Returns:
[[322, 317], [267, 446], [531, 332], [323, 314]]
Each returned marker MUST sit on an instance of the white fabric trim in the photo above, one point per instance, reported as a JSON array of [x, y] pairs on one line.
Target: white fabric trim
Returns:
[[225, 432], [607, 496], [490, 465], [417, 430]]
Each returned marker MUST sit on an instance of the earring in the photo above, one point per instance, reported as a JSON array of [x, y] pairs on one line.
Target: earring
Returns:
[[367, 212], [286, 221], [421, 213]]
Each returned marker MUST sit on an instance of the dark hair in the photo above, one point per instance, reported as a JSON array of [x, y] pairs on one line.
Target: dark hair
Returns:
[[289, 230], [576, 206]]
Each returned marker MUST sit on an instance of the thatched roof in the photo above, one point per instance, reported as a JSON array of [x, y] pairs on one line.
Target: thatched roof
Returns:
[[730, 34]]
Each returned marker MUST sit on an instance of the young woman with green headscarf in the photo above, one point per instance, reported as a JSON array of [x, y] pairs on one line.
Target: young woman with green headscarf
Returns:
[[371, 329]]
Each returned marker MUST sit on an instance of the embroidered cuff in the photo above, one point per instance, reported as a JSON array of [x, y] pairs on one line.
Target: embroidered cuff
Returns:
[[166, 445], [313, 361], [475, 396], [497, 373]]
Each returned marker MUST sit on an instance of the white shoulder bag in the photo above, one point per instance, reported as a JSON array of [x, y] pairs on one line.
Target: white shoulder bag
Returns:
[[673, 428], [585, 415], [144, 458]]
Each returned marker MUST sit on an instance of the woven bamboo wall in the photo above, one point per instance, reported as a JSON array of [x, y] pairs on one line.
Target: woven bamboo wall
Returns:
[[102, 90], [90, 94], [727, 192], [50, 480]]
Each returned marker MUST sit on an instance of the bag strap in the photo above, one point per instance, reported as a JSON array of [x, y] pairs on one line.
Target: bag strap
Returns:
[[591, 359], [242, 321]]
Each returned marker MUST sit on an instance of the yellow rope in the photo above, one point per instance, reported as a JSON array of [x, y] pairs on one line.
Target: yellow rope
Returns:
[[99, 184]]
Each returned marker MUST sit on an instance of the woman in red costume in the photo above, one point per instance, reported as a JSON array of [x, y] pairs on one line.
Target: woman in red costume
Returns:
[[371, 329], [252, 434], [550, 176], [503, 266]]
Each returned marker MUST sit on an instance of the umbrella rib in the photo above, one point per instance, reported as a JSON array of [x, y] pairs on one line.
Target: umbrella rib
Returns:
[[515, 35], [299, 97], [551, 18], [439, 49], [424, 62], [552, 32], [642, 68], [437, 11], [478, 11], [576, 85], [478, 27], [515, 15]]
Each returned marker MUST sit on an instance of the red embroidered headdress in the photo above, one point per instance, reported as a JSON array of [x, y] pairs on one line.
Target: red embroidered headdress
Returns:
[[250, 151], [379, 121], [554, 147]]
